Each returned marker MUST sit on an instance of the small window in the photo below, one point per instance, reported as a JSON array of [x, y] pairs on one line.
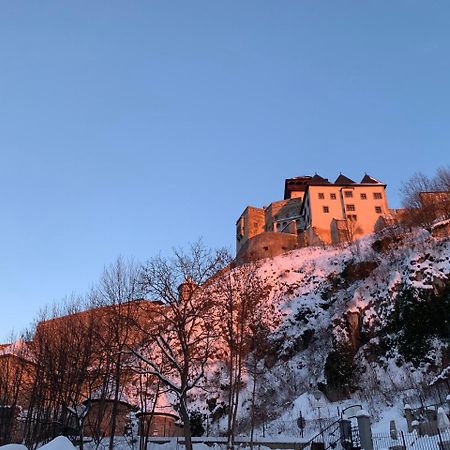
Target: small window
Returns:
[[326, 209], [378, 209], [321, 195], [352, 217], [363, 196], [377, 195], [333, 196], [350, 207], [348, 194]]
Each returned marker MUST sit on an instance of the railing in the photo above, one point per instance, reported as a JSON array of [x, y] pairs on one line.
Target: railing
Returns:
[[440, 441], [331, 437]]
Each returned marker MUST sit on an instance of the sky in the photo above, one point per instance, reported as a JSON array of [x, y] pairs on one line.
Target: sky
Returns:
[[130, 128]]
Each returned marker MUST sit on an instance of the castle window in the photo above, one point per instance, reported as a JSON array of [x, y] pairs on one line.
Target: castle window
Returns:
[[326, 209], [363, 196], [321, 195], [378, 209], [377, 195], [352, 217], [348, 194], [350, 207], [333, 196]]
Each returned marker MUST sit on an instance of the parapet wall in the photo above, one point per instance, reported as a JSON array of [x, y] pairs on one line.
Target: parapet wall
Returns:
[[266, 245]]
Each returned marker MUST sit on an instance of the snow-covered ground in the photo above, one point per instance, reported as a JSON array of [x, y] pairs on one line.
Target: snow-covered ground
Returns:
[[313, 295], [59, 443]]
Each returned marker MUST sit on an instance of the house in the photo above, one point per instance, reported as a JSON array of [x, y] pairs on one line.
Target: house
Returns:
[[355, 206]]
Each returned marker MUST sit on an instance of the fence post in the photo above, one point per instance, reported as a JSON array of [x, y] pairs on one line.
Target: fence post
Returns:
[[365, 430], [346, 432], [403, 440], [409, 417], [441, 444]]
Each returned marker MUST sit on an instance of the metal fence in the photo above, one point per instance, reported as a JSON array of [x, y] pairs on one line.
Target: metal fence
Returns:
[[302, 429], [339, 435], [385, 441]]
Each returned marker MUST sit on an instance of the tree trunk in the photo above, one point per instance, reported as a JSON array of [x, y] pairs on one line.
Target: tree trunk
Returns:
[[253, 406], [115, 403], [186, 424], [230, 440], [80, 424]]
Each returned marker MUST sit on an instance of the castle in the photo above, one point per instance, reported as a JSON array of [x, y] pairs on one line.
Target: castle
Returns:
[[314, 211]]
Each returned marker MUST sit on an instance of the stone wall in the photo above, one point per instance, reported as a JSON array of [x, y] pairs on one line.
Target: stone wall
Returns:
[[159, 425], [266, 245], [98, 420], [441, 230]]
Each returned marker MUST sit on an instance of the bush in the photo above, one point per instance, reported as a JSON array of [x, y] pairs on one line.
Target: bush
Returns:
[[355, 271], [419, 316], [196, 418], [340, 367]]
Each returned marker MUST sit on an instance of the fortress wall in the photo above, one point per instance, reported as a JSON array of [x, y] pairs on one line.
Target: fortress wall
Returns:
[[266, 245]]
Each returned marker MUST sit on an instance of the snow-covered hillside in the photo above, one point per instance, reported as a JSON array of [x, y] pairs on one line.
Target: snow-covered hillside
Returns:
[[366, 324]]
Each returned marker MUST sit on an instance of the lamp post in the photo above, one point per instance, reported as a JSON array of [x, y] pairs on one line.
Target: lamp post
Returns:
[[318, 395]]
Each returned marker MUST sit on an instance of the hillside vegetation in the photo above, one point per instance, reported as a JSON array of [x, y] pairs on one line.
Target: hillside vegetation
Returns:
[[368, 324]]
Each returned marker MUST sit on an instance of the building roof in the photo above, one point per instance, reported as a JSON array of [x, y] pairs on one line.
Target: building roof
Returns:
[[296, 184], [367, 179], [318, 180], [342, 179]]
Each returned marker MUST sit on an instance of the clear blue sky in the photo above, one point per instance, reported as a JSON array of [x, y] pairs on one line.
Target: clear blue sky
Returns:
[[129, 127]]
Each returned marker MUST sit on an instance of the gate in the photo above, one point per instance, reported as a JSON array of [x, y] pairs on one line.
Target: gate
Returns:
[[339, 435]]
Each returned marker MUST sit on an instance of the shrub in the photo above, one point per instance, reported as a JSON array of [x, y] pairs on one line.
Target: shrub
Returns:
[[420, 315], [359, 270], [197, 418], [340, 367]]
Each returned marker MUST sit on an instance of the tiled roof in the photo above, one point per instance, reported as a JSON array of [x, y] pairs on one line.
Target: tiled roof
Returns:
[[370, 180], [317, 179], [342, 179]]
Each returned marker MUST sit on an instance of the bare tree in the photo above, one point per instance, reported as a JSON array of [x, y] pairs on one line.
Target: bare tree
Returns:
[[115, 294], [180, 331], [14, 370], [62, 352], [426, 199], [352, 232], [242, 297], [259, 347]]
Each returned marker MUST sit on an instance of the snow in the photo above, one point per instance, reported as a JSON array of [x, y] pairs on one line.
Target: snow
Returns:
[[13, 447], [59, 443]]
